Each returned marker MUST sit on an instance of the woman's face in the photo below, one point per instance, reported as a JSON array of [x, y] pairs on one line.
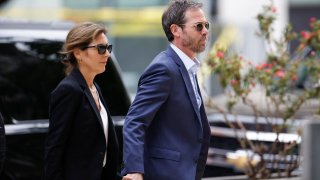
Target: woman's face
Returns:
[[95, 56]]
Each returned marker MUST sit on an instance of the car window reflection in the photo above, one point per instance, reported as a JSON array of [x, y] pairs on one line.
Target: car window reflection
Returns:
[[29, 71]]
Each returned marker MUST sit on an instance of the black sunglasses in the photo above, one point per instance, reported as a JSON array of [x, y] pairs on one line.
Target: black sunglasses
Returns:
[[199, 26], [101, 48]]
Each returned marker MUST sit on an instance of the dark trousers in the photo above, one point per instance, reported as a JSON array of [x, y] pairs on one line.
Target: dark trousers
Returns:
[[108, 173]]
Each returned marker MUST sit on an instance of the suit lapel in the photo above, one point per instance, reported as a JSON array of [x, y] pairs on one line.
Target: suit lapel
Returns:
[[93, 105], [105, 106], [111, 130], [187, 82], [80, 79], [189, 88]]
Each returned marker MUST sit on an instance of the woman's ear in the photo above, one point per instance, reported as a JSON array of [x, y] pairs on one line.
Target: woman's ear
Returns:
[[77, 53]]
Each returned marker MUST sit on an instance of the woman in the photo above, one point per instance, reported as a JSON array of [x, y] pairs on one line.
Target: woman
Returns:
[[81, 142]]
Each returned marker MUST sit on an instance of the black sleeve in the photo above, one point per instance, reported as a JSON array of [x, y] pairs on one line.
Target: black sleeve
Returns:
[[63, 106]]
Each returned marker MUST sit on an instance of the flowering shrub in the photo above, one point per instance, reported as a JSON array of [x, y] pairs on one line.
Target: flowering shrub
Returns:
[[277, 76]]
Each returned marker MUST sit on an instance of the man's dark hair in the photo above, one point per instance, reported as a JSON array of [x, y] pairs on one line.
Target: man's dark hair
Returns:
[[175, 14]]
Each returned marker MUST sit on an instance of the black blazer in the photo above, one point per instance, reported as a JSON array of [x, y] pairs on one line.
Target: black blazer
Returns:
[[76, 144]]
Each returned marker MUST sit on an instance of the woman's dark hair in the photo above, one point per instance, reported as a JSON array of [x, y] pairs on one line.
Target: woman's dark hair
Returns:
[[175, 14], [78, 37]]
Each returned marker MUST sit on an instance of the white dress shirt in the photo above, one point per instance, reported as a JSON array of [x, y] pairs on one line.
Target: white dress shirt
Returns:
[[192, 67]]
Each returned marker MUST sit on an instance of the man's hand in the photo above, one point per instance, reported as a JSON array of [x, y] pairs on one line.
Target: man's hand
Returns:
[[133, 176]]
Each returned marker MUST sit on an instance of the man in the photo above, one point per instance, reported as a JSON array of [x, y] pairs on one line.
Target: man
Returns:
[[166, 133]]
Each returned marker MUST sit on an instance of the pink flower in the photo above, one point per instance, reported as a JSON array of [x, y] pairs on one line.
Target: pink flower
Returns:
[[294, 77], [264, 65], [305, 34], [313, 53], [234, 82], [279, 73], [268, 71], [220, 54], [259, 67], [273, 9], [312, 19]]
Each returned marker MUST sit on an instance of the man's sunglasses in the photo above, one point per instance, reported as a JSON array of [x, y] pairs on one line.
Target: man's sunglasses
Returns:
[[199, 26], [101, 48]]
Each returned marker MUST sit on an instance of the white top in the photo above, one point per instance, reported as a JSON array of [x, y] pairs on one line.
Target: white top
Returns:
[[104, 117], [192, 67]]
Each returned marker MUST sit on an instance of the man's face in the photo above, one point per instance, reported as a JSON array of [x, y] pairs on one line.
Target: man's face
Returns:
[[195, 32]]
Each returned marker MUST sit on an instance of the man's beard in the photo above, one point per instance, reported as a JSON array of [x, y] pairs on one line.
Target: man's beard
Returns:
[[194, 45]]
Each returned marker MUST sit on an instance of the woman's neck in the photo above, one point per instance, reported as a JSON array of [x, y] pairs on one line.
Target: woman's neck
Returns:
[[88, 76]]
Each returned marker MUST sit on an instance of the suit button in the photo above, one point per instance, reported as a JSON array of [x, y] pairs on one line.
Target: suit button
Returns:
[[200, 140], [101, 153]]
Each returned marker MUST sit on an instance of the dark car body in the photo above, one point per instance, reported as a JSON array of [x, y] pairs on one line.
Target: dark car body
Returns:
[[30, 68]]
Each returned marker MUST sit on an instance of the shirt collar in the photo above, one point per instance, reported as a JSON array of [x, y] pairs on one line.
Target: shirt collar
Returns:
[[191, 65]]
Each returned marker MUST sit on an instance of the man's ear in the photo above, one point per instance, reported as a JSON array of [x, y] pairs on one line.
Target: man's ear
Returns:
[[175, 30]]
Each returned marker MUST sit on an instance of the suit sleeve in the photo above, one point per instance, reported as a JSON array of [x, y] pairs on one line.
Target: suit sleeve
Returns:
[[153, 90], [62, 110]]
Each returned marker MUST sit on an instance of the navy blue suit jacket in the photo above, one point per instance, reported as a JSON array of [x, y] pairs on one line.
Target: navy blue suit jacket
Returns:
[[76, 145], [165, 134]]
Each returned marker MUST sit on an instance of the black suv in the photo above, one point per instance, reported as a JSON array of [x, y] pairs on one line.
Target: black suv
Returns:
[[30, 69]]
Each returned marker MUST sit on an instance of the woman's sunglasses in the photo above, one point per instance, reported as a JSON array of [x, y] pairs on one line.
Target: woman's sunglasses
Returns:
[[199, 26], [101, 48]]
